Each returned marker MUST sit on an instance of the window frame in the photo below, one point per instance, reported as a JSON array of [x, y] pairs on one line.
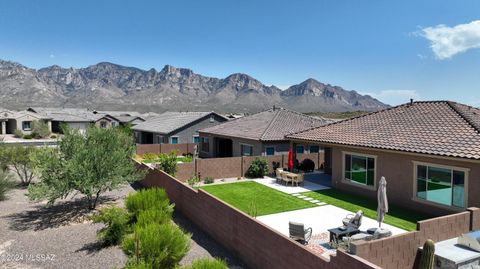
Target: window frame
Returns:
[[29, 124], [296, 149], [171, 139], [310, 149], [269, 147], [241, 149], [355, 183], [193, 139], [466, 172]]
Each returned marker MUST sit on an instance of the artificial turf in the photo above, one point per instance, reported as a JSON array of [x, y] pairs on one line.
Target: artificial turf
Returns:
[[399, 217], [248, 195]]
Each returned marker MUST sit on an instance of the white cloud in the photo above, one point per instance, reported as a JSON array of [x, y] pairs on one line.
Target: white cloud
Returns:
[[448, 41], [51, 56], [394, 97]]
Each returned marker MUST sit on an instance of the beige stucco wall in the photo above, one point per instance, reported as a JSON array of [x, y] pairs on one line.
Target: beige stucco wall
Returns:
[[398, 169], [28, 117]]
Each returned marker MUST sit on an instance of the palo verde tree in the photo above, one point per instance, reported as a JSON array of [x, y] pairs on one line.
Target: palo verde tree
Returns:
[[91, 163], [19, 159]]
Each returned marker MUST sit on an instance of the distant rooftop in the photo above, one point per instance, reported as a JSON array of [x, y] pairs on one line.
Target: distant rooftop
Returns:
[[269, 125], [441, 128], [170, 121]]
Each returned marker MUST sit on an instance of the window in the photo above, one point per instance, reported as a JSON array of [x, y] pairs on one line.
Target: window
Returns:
[[103, 124], [205, 144], [360, 169], [314, 149], [174, 140], [212, 119], [159, 139], [114, 124], [247, 150], [196, 139], [27, 125], [441, 185], [300, 149], [269, 151]]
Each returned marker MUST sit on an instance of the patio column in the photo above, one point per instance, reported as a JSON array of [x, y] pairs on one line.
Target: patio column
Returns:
[[4, 127], [294, 151]]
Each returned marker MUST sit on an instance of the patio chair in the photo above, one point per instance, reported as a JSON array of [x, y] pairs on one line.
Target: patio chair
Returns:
[[286, 178], [298, 180], [298, 232], [278, 174], [354, 221]]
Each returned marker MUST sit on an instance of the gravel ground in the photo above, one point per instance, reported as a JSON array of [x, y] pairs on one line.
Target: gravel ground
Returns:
[[35, 236]]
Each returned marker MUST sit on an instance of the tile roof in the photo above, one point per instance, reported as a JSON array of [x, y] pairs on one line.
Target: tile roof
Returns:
[[168, 122], [436, 127], [269, 125]]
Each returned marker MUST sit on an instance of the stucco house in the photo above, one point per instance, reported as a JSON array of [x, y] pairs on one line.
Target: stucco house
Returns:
[[175, 127], [82, 118], [260, 134], [20, 120], [429, 152]]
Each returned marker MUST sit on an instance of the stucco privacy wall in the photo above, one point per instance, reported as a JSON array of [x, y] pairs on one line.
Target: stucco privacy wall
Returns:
[[234, 167], [398, 169], [401, 251], [181, 149], [254, 243]]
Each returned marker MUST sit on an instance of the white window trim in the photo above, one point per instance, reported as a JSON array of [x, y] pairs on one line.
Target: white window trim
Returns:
[[354, 183], [171, 139], [274, 151], [241, 151], [27, 129], [449, 207], [193, 139]]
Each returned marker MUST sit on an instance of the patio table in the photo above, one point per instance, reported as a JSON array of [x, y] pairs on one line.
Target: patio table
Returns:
[[337, 234]]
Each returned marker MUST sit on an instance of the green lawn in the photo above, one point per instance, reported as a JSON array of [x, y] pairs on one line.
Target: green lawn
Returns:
[[242, 195], [398, 217]]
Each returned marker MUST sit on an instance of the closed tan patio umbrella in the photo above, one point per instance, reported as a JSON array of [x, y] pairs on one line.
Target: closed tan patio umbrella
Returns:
[[382, 208]]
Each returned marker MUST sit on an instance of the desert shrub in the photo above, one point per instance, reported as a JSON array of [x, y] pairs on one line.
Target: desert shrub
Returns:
[[258, 168], [193, 180], [208, 180], [153, 216], [18, 133], [307, 165], [168, 163], [6, 183], [133, 264], [20, 159], [207, 263], [53, 136], [27, 136], [154, 198], [116, 225], [161, 245], [40, 129], [149, 156]]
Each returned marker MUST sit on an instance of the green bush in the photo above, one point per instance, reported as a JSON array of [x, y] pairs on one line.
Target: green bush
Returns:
[[168, 163], [18, 133], [116, 225], [149, 156], [206, 263], [193, 180], [6, 183], [40, 129], [258, 168], [208, 180], [154, 198], [162, 246], [132, 264], [27, 136], [153, 216]]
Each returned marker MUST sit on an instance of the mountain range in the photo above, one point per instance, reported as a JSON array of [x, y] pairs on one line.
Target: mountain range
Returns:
[[111, 86]]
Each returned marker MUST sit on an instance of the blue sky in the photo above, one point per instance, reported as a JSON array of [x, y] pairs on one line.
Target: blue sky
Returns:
[[393, 51]]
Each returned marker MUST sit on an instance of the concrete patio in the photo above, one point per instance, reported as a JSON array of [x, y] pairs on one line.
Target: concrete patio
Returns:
[[307, 186]]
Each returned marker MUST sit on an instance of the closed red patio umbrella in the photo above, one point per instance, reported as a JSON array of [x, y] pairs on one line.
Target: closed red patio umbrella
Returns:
[[290, 160]]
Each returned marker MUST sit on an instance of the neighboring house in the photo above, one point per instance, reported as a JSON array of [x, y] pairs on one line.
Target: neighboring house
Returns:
[[175, 127], [259, 134], [20, 120], [429, 153], [82, 118]]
